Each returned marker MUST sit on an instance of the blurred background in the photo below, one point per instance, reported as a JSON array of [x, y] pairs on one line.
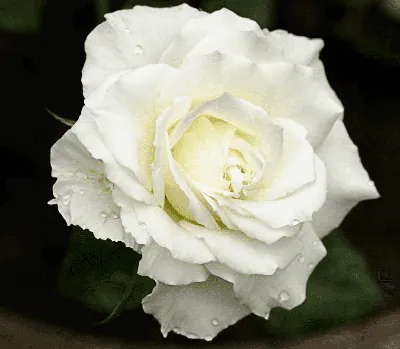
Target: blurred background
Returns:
[[41, 57]]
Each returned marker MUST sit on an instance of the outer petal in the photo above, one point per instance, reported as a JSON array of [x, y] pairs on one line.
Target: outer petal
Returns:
[[297, 49], [287, 287], [125, 41], [88, 134], [83, 194], [199, 310], [222, 22], [292, 209], [157, 262], [165, 232], [282, 89], [256, 257], [302, 50], [348, 181], [126, 118]]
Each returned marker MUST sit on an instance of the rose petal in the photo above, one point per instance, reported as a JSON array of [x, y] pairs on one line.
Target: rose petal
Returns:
[[124, 40], [297, 49], [302, 50], [258, 48], [83, 194], [297, 158], [257, 229], [282, 89], [88, 134], [348, 181], [246, 255], [164, 121], [287, 287], [200, 153], [157, 262], [199, 310], [221, 22], [157, 224], [126, 117], [199, 211]]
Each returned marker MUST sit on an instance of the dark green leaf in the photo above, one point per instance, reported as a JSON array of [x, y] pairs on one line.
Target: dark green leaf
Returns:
[[21, 17], [102, 274], [341, 290]]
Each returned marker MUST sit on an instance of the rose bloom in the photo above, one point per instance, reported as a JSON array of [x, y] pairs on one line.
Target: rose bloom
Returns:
[[215, 149]]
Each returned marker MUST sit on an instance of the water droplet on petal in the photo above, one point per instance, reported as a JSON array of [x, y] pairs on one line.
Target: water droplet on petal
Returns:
[[142, 225], [283, 296], [103, 214], [311, 266], [295, 222], [301, 259], [371, 183], [66, 199], [114, 215], [138, 49], [316, 243], [208, 338], [80, 192], [70, 174], [127, 30], [215, 322]]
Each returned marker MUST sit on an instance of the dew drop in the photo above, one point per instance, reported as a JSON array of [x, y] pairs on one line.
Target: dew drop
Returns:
[[103, 214], [114, 215], [301, 259], [80, 192], [315, 243], [142, 225], [215, 322], [371, 183], [66, 199], [138, 49], [283, 296], [208, 338], [295, 222], [311, 266], [127, 30]]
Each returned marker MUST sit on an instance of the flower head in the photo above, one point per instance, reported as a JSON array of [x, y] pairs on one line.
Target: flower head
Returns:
[[215, 149]]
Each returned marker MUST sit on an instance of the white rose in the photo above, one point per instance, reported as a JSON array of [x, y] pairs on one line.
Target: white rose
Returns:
[[218, 151]]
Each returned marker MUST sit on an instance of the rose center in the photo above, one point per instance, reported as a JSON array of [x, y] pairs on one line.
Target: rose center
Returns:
[[236, 177]]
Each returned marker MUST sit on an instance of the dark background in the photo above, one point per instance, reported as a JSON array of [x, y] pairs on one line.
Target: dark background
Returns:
[[41, 56]]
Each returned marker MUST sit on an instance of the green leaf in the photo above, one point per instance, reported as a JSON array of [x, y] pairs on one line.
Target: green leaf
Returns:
[[341, 290], [101, 275], [59, 118], [21, 17]]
